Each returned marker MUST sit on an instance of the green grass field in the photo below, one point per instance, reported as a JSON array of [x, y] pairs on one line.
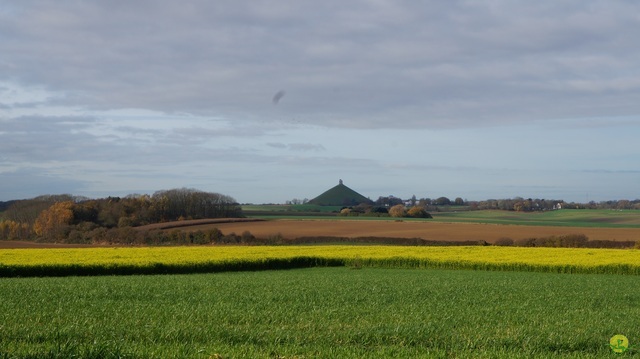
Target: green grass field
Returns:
[[566, 217], [289, 208], [319, 313]]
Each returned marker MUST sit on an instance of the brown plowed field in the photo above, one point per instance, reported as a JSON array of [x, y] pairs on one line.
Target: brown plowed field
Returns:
[[436, 231], [425, 230]]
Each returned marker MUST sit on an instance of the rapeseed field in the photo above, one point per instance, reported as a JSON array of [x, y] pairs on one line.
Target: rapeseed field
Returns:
[[157, 260]]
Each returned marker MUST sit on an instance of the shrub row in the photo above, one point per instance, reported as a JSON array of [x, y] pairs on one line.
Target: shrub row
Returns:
[[379, 240], [153, 237], [566, 241], [63, 270]]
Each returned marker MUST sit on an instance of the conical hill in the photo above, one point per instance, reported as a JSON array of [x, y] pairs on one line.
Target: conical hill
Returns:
[[340, 195]]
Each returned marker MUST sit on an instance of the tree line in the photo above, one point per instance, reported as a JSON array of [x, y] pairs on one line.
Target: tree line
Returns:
[[53, 218], [518, 204], [529, 205]]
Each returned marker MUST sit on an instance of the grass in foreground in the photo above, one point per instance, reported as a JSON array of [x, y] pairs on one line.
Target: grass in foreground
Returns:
[[319, 313], [162, 260]]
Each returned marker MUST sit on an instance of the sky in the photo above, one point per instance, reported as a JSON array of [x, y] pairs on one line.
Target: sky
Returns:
[[267, 101]]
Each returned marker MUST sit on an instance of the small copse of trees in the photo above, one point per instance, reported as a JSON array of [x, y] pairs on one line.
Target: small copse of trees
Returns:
[[398, 211], [54, 218]]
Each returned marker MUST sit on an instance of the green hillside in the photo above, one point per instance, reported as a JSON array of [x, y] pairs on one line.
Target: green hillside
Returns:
[[340, 195]]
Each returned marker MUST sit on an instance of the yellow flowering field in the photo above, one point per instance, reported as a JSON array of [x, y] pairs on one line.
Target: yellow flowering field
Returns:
[[150, 260]]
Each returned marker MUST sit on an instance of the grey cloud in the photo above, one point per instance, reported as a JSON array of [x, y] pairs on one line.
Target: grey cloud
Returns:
[[301, 147], [359, 64], [46, 123], [23, 105], [306, 147], [277, 145], [38, 138], [40, 141], [325, 164], [204, 134], [138, 130], [616, 172]]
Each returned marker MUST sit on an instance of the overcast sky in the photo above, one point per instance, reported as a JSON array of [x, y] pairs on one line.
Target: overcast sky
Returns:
[[267, 101]]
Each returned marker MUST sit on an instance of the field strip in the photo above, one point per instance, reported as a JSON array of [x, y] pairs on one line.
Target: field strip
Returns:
[[156, 260], [414, 229]]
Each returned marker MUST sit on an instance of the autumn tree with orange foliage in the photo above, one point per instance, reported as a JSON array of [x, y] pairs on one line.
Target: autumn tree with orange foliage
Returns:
[[67, 219], [13, 230], [418, 212], [52, 222], [398, 211]]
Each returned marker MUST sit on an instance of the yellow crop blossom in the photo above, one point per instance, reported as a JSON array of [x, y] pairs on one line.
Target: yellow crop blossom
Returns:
[[497, 258]]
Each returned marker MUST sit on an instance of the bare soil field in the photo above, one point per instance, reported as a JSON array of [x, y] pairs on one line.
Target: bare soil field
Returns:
[[435, 231], [409, 229]]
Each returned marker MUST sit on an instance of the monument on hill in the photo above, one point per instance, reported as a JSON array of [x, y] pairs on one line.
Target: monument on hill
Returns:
[[340, 195]]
